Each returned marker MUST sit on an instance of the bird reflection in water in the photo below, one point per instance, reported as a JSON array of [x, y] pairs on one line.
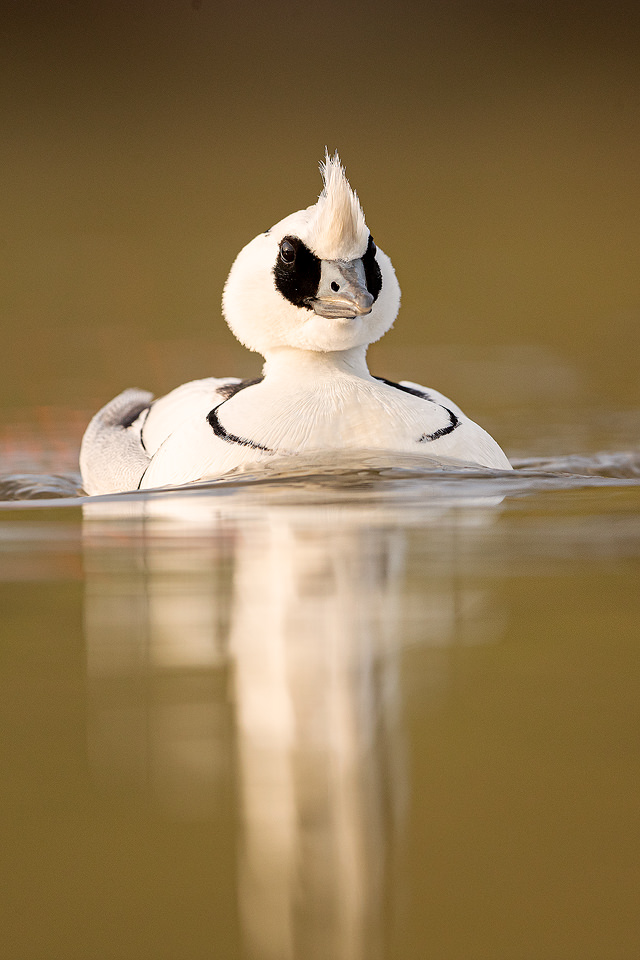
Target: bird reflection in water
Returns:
[[252, 641]]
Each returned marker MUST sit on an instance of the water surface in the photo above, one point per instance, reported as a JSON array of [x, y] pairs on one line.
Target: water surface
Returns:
[[378, 712]]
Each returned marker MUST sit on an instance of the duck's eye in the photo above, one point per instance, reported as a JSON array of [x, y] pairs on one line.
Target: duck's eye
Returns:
[[296, 272], [287, 251]]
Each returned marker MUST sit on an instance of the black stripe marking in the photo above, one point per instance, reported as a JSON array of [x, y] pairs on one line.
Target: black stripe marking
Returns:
[[146, 416], [230, 390], [220, 431], [412, 390], [372, 272], [443, 431], [298, 279]]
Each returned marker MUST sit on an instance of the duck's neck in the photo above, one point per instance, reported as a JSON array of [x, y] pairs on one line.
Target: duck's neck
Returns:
[[289, 362]]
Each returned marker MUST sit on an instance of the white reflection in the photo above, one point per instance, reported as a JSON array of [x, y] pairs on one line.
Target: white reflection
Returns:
[[261, 630]]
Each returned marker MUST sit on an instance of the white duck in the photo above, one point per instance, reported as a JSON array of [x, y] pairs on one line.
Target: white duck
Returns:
[[310, 295]]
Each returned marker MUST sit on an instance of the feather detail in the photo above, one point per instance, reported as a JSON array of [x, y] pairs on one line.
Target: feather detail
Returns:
[[337, 230]]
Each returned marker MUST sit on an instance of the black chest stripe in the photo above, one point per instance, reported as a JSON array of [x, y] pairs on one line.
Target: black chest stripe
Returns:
[[443, 431], [214, 422], [228, 390], [220, 431], [232, 389], [412, 390]]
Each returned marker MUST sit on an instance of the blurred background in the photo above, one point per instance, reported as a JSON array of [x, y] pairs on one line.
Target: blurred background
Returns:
[[494, 145]]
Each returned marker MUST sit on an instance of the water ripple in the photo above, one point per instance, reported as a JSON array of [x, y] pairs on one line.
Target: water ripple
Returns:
[[35, 486], [370, 473]]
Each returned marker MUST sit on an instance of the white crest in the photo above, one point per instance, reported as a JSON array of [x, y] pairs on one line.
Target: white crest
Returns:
[[337, 230]]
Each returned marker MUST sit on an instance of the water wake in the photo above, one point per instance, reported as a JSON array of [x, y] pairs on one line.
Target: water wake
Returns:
[[406, 475]]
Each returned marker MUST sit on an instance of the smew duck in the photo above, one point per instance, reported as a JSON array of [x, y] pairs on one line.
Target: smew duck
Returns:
[[309, 294]]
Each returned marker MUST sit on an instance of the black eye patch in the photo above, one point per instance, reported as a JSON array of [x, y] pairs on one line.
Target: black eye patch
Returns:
[[297, 272], [372, 273]]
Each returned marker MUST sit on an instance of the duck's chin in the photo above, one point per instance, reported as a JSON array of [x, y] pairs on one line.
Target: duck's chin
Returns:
[[327, 334]]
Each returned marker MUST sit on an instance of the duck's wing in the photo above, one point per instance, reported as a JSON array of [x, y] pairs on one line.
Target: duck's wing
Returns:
[[178, 437], [112, 458], [121, 440], [464, 439], [430, 394], [185, 404], [192, 452]]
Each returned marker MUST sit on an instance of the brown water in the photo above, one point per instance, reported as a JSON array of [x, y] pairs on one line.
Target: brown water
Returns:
[[384, 712], [359, 711]]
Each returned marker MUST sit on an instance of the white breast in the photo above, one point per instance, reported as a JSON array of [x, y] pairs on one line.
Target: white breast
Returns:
[[188, 442]]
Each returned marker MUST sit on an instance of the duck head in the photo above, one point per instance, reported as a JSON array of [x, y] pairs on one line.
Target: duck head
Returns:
[[316, 280]]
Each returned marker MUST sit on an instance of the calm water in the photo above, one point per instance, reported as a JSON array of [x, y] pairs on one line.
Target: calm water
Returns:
[[345, 712]]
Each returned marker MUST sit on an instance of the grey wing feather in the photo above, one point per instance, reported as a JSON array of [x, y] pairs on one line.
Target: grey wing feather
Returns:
[[112, 457]]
